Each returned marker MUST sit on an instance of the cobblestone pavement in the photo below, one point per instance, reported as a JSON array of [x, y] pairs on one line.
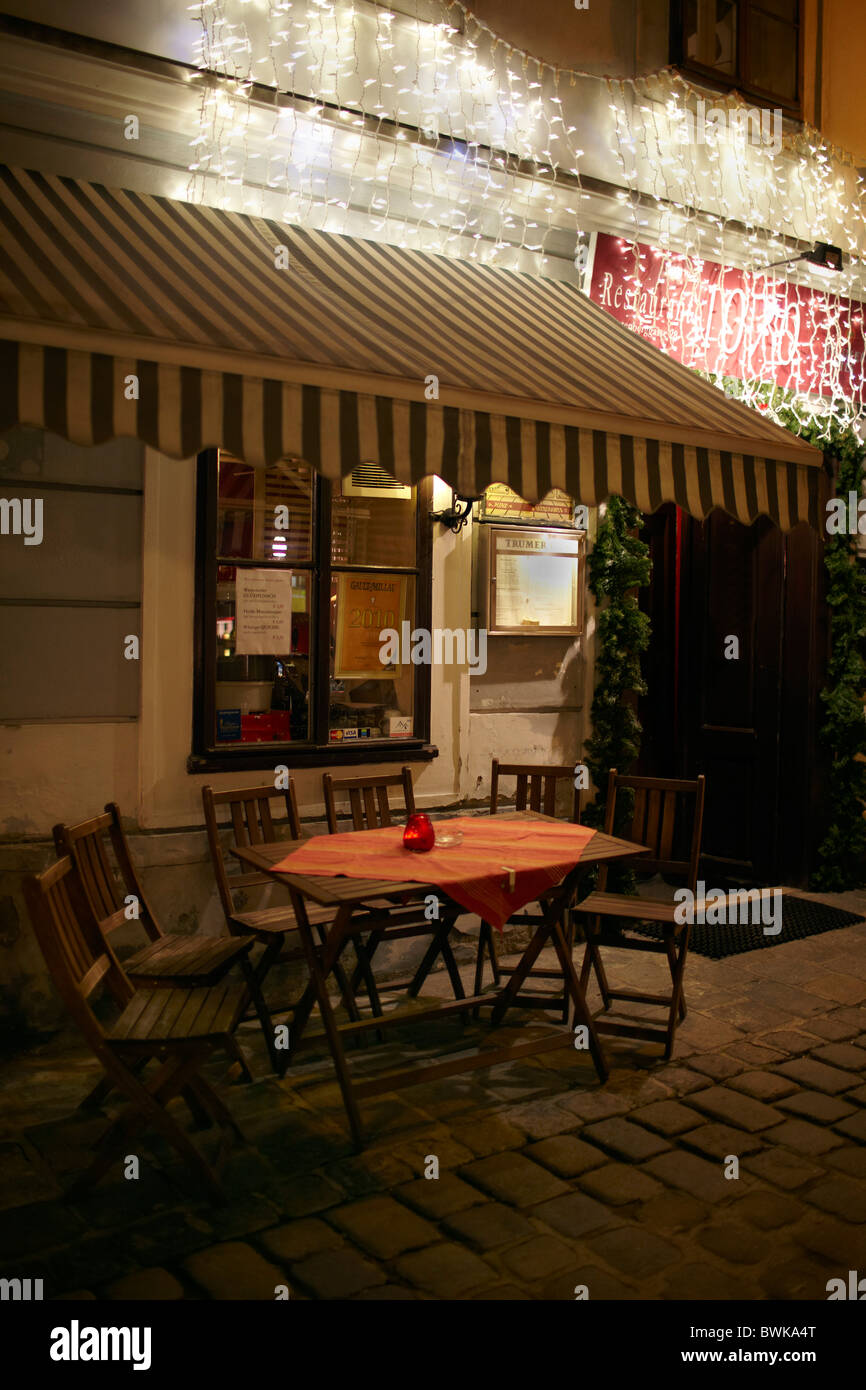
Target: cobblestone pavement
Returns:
[[546, 1180]]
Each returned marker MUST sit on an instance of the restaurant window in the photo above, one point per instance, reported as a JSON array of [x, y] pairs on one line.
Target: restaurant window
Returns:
[[750, 45], [296, 580]]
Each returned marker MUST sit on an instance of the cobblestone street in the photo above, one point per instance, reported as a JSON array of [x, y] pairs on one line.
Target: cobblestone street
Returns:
[[546, 1180]]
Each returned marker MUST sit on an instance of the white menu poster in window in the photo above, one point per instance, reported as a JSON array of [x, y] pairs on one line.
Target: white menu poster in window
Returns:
[[263, 612]]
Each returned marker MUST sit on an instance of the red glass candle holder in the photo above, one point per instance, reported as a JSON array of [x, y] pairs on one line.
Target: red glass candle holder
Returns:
[[419, 834]]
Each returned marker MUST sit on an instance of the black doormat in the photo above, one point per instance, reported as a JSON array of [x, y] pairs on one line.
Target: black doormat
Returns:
[[800, 918]]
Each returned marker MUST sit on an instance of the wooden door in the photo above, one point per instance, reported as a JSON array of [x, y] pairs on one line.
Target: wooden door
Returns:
[[735, 665]]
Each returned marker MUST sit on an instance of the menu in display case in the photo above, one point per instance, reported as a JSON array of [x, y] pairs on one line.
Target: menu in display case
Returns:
[[535, 581]]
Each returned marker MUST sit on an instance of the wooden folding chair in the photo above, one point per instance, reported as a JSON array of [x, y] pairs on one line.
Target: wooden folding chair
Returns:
[[117, 899], [177, 1029], [667, 813], [257, 815], [536, 789], [369, 808], [369, 804]]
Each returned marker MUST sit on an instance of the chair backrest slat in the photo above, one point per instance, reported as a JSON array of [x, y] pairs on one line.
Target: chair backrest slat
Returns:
[[239, 825], [94, 975], [654, 801], [370, 807], [537, 785], [77, 956], [667, 818], [638, 819], [666, 839], [369, 804], [251, 817], [106, 890], [85, 842], [103, 882], [263, 806], [69, 937]]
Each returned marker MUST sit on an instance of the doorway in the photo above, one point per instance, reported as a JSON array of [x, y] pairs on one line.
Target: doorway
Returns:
[[737, 658]]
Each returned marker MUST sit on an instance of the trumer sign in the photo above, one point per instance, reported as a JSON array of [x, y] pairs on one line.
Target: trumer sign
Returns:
[[718, 319]]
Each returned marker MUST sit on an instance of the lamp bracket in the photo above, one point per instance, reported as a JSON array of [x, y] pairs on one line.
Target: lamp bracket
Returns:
[[452, 516]]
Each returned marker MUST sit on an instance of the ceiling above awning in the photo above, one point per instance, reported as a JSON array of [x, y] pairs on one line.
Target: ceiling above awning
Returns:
[[329, 357]]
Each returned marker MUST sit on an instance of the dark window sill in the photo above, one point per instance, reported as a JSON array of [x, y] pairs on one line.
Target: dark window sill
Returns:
[[294, 756], [790, 107]]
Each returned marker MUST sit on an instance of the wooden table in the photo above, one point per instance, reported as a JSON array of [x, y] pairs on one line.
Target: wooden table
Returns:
[[358, 908]]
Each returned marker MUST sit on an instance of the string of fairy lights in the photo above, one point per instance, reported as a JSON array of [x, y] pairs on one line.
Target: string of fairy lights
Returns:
[[345, 116]]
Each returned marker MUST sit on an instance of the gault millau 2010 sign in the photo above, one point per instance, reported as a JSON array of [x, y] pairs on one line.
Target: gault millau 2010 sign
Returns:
[[718, 319]]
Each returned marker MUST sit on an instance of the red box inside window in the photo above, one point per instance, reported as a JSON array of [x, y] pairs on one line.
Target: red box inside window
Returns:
[[256, 728], [281, 724], [272, 726]]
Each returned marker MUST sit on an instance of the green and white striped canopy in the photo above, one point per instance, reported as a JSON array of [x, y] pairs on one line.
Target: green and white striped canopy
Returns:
[[325, 351]]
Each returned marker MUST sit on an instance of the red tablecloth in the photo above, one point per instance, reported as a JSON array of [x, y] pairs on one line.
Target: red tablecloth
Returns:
[[474, 874]]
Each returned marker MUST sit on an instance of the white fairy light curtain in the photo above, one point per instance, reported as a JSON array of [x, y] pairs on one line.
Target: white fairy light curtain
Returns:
[[442, 136]]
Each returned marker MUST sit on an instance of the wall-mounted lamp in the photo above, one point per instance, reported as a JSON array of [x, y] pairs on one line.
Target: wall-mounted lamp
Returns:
[[823, 257], [454, 517]]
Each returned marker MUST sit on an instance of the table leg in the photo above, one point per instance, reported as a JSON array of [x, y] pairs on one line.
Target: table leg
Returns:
[[347, 989], [319, 970], [439, 945], [363, 970], [527, 960], [254, 979], [574, 988], [550, 929], [332, 943]]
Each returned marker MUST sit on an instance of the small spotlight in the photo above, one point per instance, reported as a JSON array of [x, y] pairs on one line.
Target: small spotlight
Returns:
[[823, 257]]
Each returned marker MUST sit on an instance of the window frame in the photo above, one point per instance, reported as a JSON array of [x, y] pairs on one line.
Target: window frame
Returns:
[[713, 78], [319, 751]]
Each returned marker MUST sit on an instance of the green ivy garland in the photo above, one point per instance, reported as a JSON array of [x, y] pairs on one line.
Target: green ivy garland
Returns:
[[619, 564], [842, 852]]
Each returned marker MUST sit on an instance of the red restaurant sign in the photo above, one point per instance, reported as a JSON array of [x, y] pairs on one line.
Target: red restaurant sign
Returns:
[[733, 322]]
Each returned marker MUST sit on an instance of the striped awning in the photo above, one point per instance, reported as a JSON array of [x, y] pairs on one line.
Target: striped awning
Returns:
[[188, 327]]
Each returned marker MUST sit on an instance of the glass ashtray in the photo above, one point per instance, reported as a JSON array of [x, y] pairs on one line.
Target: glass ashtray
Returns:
[[448, 839]]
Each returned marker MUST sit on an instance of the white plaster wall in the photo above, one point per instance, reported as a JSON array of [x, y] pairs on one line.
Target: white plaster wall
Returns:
[[521, 738], [53, 772]]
